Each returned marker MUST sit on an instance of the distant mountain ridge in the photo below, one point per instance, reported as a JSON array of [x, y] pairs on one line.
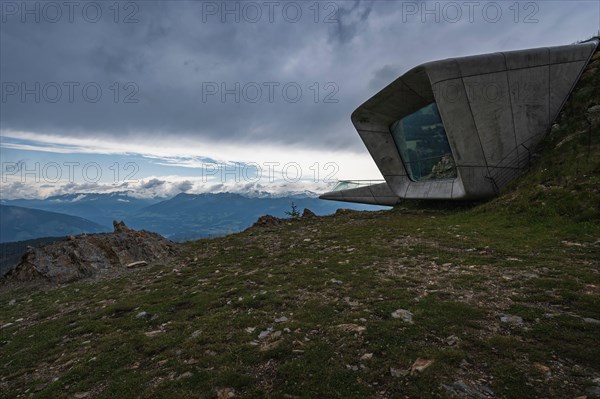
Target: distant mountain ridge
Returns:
[[191, 216], [101, 208], [19, 224], [183, 217]]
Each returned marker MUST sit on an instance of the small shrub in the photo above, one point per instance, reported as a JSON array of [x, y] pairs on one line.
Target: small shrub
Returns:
[[293, 213]]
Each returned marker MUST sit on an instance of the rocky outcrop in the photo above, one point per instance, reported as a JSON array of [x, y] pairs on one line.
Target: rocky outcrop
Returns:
[[308, 213], [268, 220], [85, 255], [120, 227]]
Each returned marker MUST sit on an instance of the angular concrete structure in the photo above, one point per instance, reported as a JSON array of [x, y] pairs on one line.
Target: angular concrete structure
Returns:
[[463, 128]]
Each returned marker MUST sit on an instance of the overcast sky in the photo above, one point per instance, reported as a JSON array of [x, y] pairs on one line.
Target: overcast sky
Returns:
[[171, 86]]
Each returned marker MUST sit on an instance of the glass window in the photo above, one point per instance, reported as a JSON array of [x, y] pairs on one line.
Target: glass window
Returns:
[[423, 145]]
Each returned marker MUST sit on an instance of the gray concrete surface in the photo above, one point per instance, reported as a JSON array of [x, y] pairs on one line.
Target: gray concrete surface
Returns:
[[496, 108]]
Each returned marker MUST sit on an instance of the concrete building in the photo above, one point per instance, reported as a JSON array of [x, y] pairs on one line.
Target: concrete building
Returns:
[[462, 128]]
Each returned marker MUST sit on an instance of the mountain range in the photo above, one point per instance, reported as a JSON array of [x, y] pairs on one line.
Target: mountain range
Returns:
[[18, 224], [181, 218], [101, 208]]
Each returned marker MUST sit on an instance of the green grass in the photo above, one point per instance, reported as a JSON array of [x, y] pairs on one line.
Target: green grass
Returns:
[[84, 337]]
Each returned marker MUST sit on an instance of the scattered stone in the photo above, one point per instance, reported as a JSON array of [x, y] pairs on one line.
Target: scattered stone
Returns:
[[398, 372], [225, 393], [307, 240], [460, 389], [308, 213], [350, 327], [142, 315], [352, 367], [352, 303], [542, 368], [187, 374], [139, 263], [281, 319], [250, 330], [452, 340], [366, 356], [12, 302], [271, 345], [572, 244], [264, 334], [335, 281], [276, 334], [153, 333], [510, 319], [196, 334], [81, 395], [420, 365], [403, 314], [591, 321]]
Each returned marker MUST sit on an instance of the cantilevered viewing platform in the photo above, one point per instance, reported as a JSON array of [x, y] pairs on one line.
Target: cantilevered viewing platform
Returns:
[[463, 128]]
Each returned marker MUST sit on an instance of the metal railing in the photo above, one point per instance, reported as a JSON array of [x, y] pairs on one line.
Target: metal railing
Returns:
[[503, 173], [350, 184]]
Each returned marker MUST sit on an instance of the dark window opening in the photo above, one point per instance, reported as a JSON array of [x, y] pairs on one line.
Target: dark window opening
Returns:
[[423, 145]]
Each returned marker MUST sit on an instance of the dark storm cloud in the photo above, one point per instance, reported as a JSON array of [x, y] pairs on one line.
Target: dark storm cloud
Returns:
[[184, 186], [153, 73], [153, 183], [349, 20], [384, 75], [73, 187]]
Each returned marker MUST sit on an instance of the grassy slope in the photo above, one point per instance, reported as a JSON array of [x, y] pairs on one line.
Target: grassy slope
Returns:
[[533, 253]]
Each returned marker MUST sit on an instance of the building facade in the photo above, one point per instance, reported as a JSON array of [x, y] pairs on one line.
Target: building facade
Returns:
[[463, 128]]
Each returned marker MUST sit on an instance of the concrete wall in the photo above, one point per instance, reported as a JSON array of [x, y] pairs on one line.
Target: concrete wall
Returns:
[[496, 108]]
